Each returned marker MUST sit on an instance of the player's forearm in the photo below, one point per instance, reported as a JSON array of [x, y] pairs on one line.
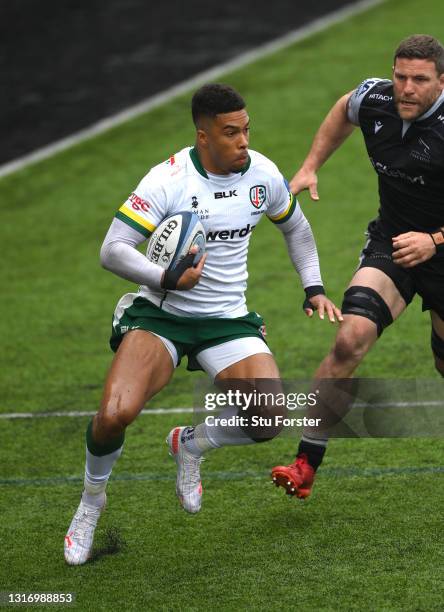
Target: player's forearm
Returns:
[[302, 250], [120, 256], [127, 262], [335, 128]]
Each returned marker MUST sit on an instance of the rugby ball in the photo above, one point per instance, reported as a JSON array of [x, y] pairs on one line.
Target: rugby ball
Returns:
[[173, 239]]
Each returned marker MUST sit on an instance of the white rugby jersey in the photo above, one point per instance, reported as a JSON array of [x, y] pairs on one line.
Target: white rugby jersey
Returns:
[[229, 207]]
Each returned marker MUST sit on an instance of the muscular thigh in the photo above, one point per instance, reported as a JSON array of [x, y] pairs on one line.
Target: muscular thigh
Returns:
[[261, 365], [366, 314], [429, 279], [238, 358], [438, 324], [257, 377], [141, 367], [383, 285], [249, 359]]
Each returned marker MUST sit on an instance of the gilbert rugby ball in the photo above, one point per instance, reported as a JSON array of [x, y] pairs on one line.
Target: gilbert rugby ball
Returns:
[[173, 239]]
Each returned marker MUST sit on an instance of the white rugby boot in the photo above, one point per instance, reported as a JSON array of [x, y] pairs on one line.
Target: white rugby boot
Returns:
[[80, 535], [188, 483]]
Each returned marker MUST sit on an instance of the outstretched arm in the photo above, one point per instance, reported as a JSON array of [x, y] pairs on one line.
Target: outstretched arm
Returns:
[[304, 256], [335, 128]]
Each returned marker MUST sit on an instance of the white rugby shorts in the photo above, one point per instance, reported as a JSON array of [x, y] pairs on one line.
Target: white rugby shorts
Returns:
[[216, 358]]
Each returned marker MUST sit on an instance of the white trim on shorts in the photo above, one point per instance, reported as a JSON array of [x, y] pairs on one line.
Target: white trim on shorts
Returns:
[[169, 347], [216, 358]]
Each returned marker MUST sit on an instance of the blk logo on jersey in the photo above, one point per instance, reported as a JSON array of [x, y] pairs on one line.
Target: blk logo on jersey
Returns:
[[258, 195], [225, 194]]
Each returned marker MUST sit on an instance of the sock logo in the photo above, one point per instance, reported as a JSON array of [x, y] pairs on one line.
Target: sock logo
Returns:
[[187, 434]]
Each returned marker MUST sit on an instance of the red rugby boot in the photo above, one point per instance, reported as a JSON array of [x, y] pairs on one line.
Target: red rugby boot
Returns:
[[296, 478]]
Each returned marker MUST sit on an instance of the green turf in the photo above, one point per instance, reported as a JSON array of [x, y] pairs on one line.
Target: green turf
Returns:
[[369, 537]]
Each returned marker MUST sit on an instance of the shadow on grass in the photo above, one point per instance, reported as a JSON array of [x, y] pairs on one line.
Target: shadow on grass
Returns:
[[112, 544]]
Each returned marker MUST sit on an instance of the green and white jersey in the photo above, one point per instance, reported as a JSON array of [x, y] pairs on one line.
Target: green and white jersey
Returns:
[[229, 207]]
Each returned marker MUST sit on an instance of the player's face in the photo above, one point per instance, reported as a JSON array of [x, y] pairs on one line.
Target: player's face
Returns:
[[224, 142], [416, 85]]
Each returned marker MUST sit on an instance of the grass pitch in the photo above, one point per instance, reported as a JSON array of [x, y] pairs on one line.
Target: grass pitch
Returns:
[[369, 538]]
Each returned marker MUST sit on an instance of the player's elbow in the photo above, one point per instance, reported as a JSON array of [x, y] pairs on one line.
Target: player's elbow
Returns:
[[295, 228], [105, 256]]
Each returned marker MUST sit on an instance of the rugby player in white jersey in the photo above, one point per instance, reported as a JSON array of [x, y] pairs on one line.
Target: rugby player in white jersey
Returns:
[[199, 312]]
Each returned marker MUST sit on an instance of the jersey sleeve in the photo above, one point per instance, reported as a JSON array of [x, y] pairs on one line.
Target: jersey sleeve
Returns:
[[283, 202], [146, 207], [356, 98]]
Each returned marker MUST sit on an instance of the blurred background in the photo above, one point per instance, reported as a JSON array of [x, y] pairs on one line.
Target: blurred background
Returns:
[[369, 537], [65, 64]]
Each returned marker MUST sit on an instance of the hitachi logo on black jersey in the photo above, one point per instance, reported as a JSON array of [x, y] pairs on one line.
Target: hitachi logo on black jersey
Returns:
[[230, 234], [377, 96], [225, 194]]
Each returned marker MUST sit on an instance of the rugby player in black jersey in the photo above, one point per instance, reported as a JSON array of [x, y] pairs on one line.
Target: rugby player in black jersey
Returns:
[[402, 121]]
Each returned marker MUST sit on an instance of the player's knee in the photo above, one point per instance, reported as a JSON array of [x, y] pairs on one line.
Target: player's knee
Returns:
[[367, 303], [114, 419], [438, 351], [352, 343], [265, 419], [264, 433], [107, 426]]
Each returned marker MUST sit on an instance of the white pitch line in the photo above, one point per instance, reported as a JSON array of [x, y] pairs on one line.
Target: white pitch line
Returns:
[[398, 404], [318, 25], [79, 413], [188, 410]]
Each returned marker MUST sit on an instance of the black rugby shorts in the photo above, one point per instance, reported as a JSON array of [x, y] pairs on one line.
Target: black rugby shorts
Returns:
[[425, 279]]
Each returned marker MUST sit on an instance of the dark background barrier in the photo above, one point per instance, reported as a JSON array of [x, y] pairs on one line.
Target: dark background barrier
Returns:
[[65, 64]]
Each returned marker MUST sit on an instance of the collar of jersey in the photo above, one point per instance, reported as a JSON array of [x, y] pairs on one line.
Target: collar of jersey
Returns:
[[196, 162], [433, 108]]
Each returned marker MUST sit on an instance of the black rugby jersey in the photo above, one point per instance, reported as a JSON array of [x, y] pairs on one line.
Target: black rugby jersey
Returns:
[[407, 156]]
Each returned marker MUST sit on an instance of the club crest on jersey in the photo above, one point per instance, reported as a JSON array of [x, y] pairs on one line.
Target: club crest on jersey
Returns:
[[258, 195], [424, 154]]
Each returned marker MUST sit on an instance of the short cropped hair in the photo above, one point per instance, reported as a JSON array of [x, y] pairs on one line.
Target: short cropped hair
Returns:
[[422, 46], [214, 98]]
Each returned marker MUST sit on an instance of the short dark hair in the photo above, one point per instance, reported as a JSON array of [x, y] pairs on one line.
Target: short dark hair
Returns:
[[214, 98], [422, 46]]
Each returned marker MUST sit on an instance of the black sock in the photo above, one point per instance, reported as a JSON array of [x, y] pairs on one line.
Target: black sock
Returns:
[[315, 453]]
